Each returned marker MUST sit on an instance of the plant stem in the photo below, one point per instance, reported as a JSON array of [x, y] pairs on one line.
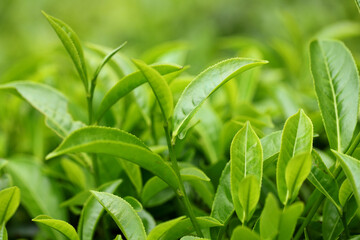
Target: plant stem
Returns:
[[182, 195]]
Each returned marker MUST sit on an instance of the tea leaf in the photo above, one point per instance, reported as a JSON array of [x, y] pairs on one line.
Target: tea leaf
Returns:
[[242, 232], [162, 228], [129, 83], [357, 2], [297, 170], [120, 144], [9, 202], [3, 232], [192, 238], [160, 88], [337, 89], [72, 45], [345, 192], [49, 102], [271, 147], [92, 211], [118, 237], [59, 225], [204, 85], [245, 159], [193, 173], [249, 194], [297, 137], [289, 219], [123, 214], [270, 218], [135, 204]]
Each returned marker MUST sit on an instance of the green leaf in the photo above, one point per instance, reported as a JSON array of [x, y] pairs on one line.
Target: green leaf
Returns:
[[242, 232], [357, 2], [92, 211], [193, 173], [120, 144], [135, 204], [177, 228], [296, 138], [9, 202], [118, 237], [297, 170], [74, 173], [245, 159], [271, 147], [270, 218], [345, 192], [249, 194], [223, 207], [337, 89], [129, 83], [133, 171], [159, 86], [2, 163], [51, 103], [204, 85], [351, 167], [289, 219], [3, 232], [192, 238], [156, 192], [59, 225], [123, 214], [72, 45]]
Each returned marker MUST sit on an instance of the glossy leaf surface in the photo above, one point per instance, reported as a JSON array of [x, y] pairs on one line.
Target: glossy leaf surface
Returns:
[[242, 232], [9, 202], [59, 225], [249, 194], [289, 218], [270, 218]]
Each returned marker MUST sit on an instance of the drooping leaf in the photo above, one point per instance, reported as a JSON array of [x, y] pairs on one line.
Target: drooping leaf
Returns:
[[9, 202], [59, 225], [92, 211], [159, 86], [49, 102], [245, 159], [128, 83], [177, 228], [337, 88], [123, 214], [297, 137], [297, 170], [289, 219], [242, 232], [270, 218], [120, 144], [345, 192], [204, 85], [72, 45], [249, 194]]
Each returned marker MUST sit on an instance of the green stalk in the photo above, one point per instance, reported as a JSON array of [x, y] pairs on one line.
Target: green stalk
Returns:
[[182, 194]]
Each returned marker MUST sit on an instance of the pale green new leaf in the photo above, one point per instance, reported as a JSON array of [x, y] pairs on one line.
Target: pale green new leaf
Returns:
[[249, 194], [337, 88], [135, 204], [297, 170], [193, 173], [345, 192], [159, 86], [123, 214], [3, 232], [289, 219], [270, 218], [59, 225], [9, 202], [120, 144], [74, 173], [129, 83], [271, 147], [72, 45], [204, 85], [92, 211], [133, 171], [242, 232], [297, 137], [49, 102], [245, 159]]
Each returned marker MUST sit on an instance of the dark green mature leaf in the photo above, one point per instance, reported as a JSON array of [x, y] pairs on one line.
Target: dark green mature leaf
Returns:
[[289, 219], [129, 83], [133, 171], [59, 225], [242, 232], [223, 206], [120, 144], [123, 214], [72, 45], [270, 218], [118, 237], [297, 170], [92, 211], [249, 194], [9, 202], [159, 86], [245, 159], [204, 85], [297, 137], [345, 192], [337, 88], [177, 228], [49, 102]]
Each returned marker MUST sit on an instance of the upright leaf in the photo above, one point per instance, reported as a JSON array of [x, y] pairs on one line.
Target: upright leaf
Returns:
[[120, 144], [9, 202], [297, 137], [242, 232], [3, 232], [345, 192], [336, 82], [204, 85], [270, 218], [51, 103], [289, 219], [59, 225], [249, 194], [245, 159], [72, 45], [123, 214], [159, 86], [271, 147]]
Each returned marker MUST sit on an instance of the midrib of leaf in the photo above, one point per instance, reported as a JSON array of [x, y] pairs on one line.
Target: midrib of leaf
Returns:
[[334, 97], [245, 150], [7, 205], [296, 136]]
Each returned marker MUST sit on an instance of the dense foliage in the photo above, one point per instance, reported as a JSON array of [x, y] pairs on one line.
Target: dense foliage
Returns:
[[142, 149]]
